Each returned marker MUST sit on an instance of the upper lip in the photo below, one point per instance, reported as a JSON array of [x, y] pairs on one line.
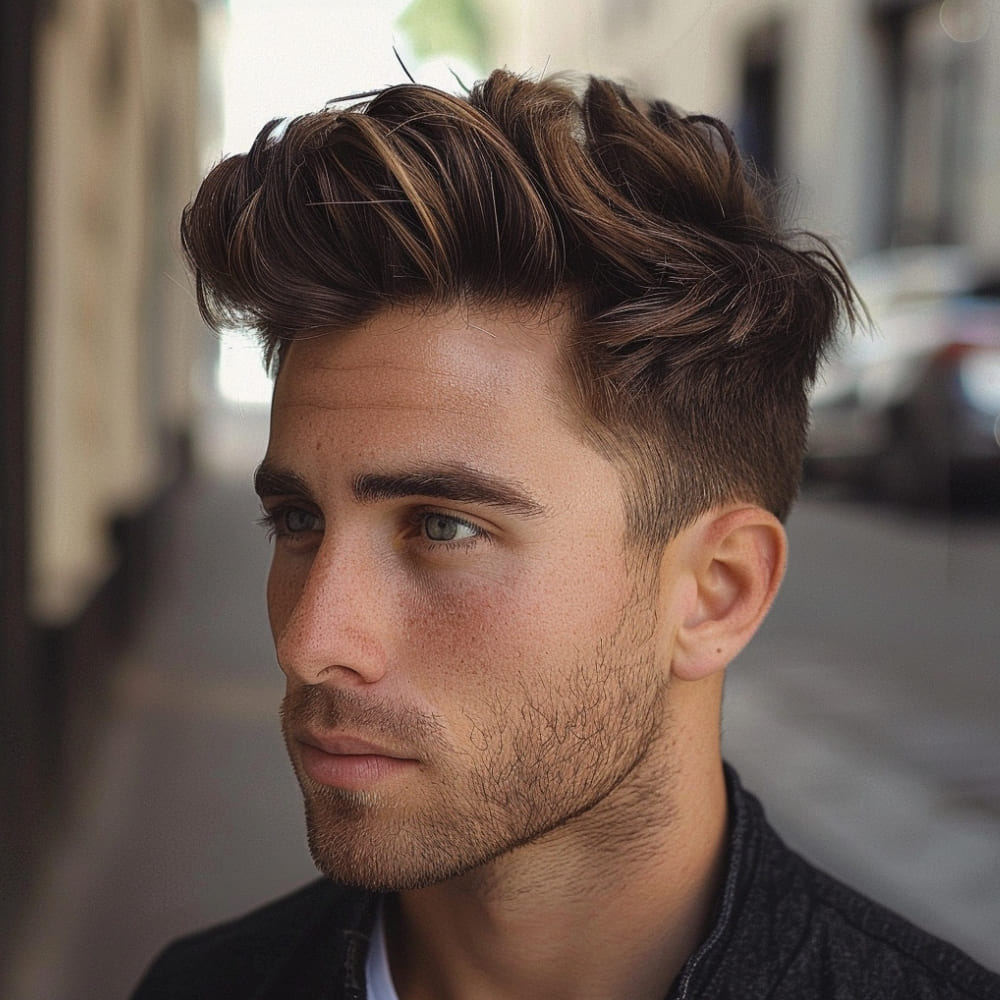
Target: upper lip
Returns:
[[344, 745]]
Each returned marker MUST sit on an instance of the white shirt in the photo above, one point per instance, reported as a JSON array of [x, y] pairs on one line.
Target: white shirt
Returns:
[[377, 974]]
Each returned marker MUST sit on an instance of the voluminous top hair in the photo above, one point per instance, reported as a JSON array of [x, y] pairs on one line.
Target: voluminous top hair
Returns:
[[697, 324]]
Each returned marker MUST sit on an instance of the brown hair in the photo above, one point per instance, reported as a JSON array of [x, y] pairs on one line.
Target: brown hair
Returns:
[[698, 324]]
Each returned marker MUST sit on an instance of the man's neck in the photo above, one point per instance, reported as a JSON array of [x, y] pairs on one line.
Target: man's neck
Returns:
[[589, 910]]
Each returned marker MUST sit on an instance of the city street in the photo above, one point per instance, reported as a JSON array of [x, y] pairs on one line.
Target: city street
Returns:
[[695, 191], [866, 715]]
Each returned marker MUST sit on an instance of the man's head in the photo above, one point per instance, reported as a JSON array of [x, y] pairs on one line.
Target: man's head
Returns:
[[541, 373], [696, 324]]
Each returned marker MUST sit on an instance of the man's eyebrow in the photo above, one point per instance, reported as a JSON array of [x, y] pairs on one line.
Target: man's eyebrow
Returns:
[[274, 481], [458, 483]]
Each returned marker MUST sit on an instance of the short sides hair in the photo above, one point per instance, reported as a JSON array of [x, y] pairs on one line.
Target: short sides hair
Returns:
[[697, 322]]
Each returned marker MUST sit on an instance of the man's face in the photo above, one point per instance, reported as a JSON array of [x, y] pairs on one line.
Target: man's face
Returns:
[[469, 651]]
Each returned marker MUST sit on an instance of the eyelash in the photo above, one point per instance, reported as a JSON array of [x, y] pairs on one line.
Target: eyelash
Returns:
[[420, 519], [273, 521]]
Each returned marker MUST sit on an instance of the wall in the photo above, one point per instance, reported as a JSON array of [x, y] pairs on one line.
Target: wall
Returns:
[[112, 323], [837, 111], [103, 100]]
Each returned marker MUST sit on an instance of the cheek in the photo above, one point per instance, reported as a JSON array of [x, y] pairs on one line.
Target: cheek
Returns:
[[470, 641], [456, 624], [478, 633]]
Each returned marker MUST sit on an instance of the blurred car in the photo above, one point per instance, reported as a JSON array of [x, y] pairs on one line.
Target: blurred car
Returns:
[[911, 408]]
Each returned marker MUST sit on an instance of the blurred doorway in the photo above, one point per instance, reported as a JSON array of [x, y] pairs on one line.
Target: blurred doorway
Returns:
[[760, 115], [933, 80]]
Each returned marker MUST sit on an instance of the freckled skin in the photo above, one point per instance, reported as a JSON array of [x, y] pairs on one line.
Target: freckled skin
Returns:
[[518, 666]]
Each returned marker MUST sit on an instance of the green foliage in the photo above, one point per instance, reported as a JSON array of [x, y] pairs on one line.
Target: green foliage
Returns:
[[446, 27]]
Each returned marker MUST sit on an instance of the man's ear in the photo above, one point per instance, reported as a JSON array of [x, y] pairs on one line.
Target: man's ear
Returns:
[[733, 561]]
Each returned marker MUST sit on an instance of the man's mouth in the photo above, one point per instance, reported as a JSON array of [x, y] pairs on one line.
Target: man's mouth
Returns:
[[351, 763]]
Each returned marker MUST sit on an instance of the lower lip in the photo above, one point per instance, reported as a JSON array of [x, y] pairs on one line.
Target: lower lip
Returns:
[[351, 772]]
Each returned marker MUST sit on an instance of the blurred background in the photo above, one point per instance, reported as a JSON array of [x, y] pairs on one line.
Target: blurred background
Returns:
[[144, 787]]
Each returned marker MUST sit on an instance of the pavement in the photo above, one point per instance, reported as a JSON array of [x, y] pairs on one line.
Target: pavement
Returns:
[[189, 814], [866, 712]]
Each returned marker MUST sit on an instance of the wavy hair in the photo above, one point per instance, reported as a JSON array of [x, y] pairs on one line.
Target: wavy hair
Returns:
[[697, 322]]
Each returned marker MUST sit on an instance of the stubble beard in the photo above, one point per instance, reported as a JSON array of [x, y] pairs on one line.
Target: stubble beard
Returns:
[[530, 766]]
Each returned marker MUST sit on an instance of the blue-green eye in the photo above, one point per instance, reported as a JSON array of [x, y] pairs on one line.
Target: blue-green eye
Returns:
[[297, 521], [287, 521], [444, 528]]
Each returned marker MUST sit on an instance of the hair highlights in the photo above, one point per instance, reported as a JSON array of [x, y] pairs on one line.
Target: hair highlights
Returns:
[[698, 323]]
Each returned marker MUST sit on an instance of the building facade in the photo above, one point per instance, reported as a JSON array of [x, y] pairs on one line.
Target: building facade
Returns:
[[880, 116], [102, 116]]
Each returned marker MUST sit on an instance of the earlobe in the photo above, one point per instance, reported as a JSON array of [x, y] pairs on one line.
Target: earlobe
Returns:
[[735, 561]]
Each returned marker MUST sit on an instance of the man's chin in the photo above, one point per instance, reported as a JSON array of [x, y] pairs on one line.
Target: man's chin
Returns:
[[352, 849], [373, 874], [382, 856]]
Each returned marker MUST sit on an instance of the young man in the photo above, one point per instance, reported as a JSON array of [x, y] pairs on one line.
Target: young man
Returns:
[[542, 364]]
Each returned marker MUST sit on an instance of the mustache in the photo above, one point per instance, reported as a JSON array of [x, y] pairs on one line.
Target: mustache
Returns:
[[321, 709]]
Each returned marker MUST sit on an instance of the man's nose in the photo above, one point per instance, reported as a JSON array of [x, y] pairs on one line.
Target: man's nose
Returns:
[[326, 619]]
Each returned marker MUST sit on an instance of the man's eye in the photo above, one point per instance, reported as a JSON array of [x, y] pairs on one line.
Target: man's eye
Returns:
[[444, 528], [296, 521], [284, 521]]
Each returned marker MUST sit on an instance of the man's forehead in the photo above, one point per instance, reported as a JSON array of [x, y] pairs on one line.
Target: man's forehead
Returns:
[[485, 389], [456, 352]]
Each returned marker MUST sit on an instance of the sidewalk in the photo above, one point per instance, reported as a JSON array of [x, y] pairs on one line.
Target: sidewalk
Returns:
[[191, 814], [882, 826]]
